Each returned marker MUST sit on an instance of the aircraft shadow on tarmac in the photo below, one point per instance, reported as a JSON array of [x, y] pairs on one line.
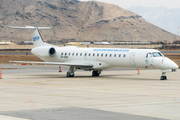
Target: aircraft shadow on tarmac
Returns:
[[105, 76], [74, 113]]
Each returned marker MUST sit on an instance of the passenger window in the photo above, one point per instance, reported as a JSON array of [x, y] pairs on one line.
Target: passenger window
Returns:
[[65, 54], [81, 54], [89, 54], [73, 54], [76, 54], [69, 54], [106, 55], [93, 54], [61, 53], [149, 55], [101, 55], [119, 55], [110, 55], [85, 54], [124, 55], [98, 54], [114, 55]]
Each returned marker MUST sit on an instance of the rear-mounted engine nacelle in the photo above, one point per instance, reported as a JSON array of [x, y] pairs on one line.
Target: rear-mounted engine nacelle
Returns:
[[52, 51], [44, 51]]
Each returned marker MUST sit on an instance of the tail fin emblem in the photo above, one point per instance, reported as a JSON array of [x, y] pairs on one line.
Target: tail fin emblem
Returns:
[[36, 38]]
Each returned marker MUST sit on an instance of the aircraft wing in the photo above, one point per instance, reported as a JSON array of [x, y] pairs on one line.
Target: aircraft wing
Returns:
[[55, 63]]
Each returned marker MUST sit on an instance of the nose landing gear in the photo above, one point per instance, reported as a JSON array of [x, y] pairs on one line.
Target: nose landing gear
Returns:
[[163, 77], [96, 72]]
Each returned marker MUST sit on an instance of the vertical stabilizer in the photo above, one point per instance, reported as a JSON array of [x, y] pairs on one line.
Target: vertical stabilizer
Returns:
[[36, 36]]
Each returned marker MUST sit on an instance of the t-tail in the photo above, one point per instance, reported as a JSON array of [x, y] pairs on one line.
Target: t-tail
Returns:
[[36, 36]]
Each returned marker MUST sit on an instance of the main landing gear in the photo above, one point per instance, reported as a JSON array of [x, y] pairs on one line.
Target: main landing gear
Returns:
[[163, 77], [71, 71], [69, 74], [96, 72]]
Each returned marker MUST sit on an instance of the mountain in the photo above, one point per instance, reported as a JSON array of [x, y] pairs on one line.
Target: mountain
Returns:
[[163, 17], [76, 21]]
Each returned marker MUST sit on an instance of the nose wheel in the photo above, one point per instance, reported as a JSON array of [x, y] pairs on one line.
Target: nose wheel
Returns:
[[96, 72], [163, 77]]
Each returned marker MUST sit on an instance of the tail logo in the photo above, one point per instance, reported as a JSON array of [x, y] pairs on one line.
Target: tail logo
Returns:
[[36, 38]]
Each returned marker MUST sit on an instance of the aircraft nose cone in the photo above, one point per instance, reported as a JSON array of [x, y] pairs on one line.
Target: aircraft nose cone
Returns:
[[169, 64], [175, 66]]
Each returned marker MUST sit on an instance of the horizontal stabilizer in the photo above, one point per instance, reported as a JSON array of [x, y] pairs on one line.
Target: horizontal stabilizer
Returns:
[[30, 27], [36, 36]]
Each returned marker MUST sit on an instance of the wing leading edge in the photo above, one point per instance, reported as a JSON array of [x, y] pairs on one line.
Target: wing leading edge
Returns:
[[55, 63]]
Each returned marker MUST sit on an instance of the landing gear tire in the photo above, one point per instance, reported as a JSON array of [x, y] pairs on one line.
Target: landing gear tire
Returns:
[[163, 78], [71, 71], [69, 74], [96, 73]]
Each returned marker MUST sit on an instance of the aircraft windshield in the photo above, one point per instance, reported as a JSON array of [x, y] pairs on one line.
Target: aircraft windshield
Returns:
[[157, 54]]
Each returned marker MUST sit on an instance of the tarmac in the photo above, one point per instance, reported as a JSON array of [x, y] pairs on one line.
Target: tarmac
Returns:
[[35, 92]]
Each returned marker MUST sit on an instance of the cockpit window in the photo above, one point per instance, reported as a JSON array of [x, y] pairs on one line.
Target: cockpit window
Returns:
[[157, 54], [149, 55]]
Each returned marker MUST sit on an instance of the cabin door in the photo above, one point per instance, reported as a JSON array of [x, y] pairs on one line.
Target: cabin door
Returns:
[[149, 59], [132, 59]]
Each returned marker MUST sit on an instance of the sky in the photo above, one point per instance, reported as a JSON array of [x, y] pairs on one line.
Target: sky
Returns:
[[146, 3]]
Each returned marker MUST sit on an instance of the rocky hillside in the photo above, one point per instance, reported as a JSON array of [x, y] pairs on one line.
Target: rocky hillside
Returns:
[[74, 20]]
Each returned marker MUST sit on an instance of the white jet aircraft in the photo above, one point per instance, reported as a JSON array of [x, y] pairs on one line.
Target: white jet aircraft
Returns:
[[97, 59]]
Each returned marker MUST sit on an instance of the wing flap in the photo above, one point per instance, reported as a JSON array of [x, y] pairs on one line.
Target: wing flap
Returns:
[[54, 63]]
